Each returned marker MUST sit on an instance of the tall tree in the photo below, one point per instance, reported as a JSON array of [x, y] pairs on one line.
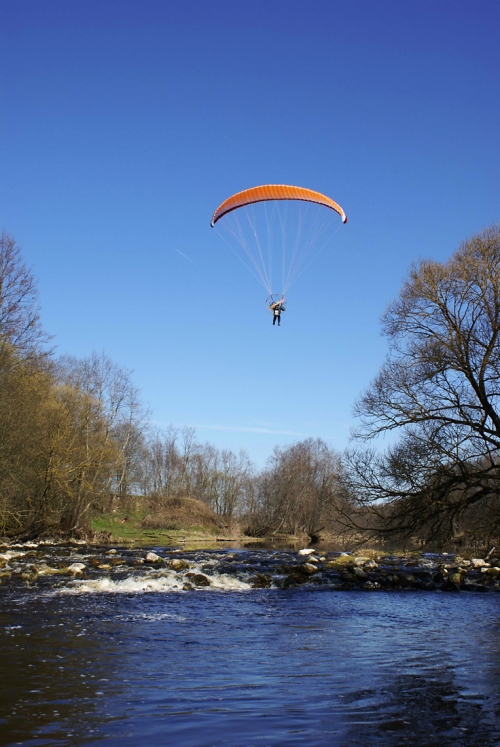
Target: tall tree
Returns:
[[24, 392], [20, 324], [297, 490], [110, 397], [439, 394]]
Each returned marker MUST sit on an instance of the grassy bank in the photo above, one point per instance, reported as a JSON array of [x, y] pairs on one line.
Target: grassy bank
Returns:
[[127, 528]]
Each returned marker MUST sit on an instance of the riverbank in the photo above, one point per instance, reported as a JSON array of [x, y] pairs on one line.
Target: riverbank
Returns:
[[140, 529]]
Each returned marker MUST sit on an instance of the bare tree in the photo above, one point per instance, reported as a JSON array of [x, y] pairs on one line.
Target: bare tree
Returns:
[[297, 489], [179, 466], [163, 465], [113, 401], [19, 309], [228, 475], [439, 392], [24, 392]]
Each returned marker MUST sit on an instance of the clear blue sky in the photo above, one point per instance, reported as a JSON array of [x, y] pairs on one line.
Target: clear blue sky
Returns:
[[125, 123]]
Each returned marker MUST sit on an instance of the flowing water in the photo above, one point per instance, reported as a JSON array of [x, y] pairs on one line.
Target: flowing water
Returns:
[[126, 656]]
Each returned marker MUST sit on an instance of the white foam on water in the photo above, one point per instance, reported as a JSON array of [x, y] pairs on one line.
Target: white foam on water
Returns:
[[220, 581], [132, 584], [9, 555], [163, 582], [228, 583]]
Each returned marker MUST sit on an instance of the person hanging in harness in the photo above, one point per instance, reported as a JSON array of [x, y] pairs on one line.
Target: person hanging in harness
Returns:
[[277, 308]]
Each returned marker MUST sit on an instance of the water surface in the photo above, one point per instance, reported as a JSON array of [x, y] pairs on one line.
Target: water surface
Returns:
[[248, 667]]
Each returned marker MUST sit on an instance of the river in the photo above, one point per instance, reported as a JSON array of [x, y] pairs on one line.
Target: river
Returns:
[[127, 657]]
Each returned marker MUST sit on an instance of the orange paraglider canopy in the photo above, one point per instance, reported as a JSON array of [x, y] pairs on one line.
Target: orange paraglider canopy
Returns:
[[274, 192]]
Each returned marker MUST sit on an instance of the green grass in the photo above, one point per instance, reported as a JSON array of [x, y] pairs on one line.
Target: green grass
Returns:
[[131, 531]]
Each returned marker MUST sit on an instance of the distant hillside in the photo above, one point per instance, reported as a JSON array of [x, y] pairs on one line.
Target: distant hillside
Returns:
[[178, 513]]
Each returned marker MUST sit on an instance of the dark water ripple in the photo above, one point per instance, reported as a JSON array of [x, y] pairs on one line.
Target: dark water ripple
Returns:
[[303, 666]]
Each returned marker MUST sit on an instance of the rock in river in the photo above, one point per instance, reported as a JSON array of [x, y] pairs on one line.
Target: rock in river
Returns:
[[308, 568], [76, 568], [261, 581], [198, 579]]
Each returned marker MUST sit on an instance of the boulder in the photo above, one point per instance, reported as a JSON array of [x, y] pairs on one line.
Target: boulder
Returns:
[[198, 579], [393, 580], [423, 585], [491, 571], [152, 557], [406, 578], [361, 560], [346, 575], [76, 568], [300, 574], [449, 586], [359, 572], [308, 568], [177, 564], [26, 576], [260, 581], [45, 570], [332, 564], [479, 563], [306, 551]]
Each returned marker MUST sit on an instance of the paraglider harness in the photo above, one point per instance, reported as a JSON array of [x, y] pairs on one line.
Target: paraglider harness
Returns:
[[277, 309]]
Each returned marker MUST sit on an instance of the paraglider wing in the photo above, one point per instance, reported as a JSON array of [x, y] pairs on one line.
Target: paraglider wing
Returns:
[[274, 192]]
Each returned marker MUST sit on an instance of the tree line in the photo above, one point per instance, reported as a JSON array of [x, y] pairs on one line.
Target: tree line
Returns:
[[75, 436]]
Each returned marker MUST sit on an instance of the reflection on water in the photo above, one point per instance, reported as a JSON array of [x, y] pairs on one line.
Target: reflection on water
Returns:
[[302, 666], [52, 672]]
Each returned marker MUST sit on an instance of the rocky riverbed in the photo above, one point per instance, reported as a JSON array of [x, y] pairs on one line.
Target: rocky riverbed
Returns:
[[80, 568]]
